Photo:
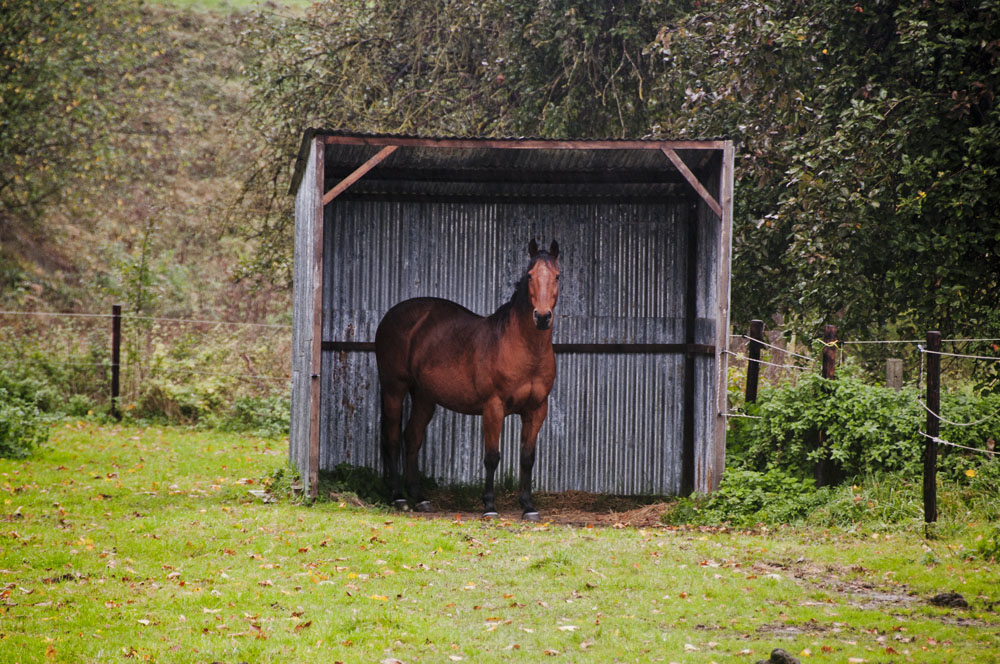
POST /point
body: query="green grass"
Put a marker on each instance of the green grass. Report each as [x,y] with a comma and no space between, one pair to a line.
[144,543]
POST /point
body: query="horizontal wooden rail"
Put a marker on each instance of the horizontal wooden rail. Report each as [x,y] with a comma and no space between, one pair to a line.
[587,349]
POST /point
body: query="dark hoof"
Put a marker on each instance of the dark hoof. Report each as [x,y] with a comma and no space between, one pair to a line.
[531,516]
[401,505]
[423,506]
[490,515]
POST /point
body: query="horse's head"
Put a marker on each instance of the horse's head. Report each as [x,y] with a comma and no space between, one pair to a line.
[543,283]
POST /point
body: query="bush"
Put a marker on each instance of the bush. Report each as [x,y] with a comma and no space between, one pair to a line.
[866,429]
[748,497]
[265,416]
[21,426]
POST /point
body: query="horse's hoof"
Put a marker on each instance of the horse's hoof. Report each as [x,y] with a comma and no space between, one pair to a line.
[423,506]
[401,505]
[530,516]
[490,515]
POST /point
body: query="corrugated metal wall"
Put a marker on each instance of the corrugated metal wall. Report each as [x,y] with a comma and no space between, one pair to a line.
[615,422]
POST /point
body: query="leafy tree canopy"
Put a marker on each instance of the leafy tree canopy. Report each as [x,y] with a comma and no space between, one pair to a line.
[868,134]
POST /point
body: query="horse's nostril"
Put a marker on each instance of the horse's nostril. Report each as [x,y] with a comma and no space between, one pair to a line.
[543,321]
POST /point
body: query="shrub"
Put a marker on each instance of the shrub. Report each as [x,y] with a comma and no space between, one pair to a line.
[862,429]
[21,426]
[265,416]
[748,497]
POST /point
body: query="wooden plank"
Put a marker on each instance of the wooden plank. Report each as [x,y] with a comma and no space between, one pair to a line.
[520,144]
[315,392]
[358,173]
[693,181]
[722,289]
[591,349]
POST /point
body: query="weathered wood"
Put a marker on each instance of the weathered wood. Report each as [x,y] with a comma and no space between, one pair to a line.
[359,173]
[521,144]
[693,180]
[830,351]
[116,351]
[567,348]
[724,253]
[753,359]
[933,425]
[894,374]
[317,324]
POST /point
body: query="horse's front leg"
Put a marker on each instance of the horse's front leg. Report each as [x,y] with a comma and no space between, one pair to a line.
[493,415]
[531,422]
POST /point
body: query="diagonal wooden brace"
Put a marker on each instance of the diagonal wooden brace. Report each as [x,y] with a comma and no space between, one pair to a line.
[358,173]
[693,180]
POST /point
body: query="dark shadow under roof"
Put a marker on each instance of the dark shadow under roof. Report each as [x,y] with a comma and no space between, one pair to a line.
[509,168]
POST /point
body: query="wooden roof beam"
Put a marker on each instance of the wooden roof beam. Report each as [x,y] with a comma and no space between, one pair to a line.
[358,173]
[693,180]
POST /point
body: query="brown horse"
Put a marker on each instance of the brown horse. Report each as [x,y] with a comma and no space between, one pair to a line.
[443,354]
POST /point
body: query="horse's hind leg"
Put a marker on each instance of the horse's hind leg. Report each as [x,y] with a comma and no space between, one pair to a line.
[392,413]
[416,431]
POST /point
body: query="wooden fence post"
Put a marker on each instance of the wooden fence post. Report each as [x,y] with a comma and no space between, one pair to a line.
[830,351]
[824,470]
[116,348]
[894,374]
[753,355]
[933,425]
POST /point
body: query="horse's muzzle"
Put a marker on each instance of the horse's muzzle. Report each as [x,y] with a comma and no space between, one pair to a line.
[543,321]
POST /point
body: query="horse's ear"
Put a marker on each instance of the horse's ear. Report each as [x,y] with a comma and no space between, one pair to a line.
[532,248]
[554,249]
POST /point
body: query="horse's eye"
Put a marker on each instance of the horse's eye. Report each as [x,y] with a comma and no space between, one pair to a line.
[558,277]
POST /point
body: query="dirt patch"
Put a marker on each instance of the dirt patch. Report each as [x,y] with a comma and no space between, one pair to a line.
[571,508]
[853,582]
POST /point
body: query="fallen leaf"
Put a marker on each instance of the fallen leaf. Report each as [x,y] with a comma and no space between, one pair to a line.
[301,626]
[568,628]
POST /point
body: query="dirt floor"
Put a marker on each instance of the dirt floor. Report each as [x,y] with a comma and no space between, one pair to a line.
[573,508]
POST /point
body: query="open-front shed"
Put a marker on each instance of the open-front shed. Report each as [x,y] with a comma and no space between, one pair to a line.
[641,330]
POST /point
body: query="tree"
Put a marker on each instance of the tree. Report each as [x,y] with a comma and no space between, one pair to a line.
[62,69]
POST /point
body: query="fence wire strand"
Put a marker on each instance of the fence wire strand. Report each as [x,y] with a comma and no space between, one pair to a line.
[740,356]
[957,424]
[942,441]
[968,357]
[778,348]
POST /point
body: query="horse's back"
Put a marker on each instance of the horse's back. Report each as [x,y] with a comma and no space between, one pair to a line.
[416,321]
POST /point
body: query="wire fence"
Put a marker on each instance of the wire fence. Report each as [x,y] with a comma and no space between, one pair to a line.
[157,352]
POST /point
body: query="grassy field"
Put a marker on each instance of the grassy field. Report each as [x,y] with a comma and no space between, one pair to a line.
[145,544]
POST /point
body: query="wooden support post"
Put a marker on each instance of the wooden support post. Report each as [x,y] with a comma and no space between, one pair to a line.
[933,425]
[830,351]
[753,357]
[116,351]
[894,373]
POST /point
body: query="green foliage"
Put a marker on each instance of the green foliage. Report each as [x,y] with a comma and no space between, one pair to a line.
[989,547]
[866,429]
[266,416]
[866,134]
[746,498]
[22,428]
[65,75]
